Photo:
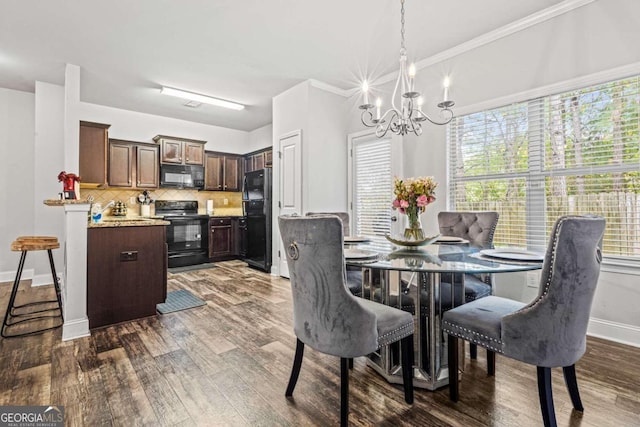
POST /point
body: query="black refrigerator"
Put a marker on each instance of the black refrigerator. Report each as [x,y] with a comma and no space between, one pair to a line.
[256,204]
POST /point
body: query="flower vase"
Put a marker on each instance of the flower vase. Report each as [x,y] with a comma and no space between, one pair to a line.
[413,227]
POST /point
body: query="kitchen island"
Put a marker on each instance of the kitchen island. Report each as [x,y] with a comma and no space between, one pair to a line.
[126,269]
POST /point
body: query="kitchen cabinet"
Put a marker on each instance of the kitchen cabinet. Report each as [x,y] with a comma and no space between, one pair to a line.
[223,172]
[133,164]
[181,151]
[268,158]
[258,160]
[220,238]
[94,138]
[239,225]
[126,273]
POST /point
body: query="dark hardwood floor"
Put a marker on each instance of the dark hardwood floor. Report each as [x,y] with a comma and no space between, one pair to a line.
[228,363]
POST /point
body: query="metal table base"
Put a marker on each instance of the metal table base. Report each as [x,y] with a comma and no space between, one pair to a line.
[430,367]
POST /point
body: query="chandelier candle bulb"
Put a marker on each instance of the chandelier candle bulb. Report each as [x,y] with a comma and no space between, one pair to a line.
[412,75]
[365,90]
[378,105]
[446,88]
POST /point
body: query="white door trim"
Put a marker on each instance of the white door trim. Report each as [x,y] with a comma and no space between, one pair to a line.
[284,208]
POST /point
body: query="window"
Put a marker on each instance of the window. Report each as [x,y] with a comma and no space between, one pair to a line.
[576,152]
[371,170]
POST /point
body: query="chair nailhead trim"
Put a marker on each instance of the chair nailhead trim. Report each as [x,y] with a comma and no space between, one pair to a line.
[551,264]
[398,332]
[471,338]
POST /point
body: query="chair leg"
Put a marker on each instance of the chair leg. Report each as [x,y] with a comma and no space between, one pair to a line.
[572,385]
[491,363]
[407,367]
[546,397]
[56,284]
[14,292]
[295,370]
[344,392]
[452,351]
[473,351]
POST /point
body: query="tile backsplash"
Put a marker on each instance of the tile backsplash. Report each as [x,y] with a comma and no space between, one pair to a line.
[129,197]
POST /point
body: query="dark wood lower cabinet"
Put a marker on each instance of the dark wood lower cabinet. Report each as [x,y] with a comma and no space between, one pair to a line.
[220,238]
[126,273]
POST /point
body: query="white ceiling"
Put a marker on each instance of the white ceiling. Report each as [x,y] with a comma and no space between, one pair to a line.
[243,50]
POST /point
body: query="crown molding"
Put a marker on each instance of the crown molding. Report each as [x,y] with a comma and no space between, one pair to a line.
[330,88]
[559,87]
[504,31]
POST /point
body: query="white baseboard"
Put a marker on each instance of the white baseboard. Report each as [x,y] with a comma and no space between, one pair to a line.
[613,331]
[28,274]
[10,276]
[75,329]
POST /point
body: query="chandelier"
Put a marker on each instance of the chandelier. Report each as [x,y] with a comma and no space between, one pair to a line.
[409,117]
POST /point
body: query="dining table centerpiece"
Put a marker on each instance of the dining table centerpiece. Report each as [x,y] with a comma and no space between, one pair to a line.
[412,196]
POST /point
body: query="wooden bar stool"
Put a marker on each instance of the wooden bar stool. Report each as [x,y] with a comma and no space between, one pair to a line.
[19,314]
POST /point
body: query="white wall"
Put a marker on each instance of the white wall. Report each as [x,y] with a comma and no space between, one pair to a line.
[592,39]
[260,138]
[17,118]
[322,117]
[135,126]
[48,162]
[324,162]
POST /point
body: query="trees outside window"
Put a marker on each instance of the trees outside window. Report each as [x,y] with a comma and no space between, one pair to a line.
[576,152]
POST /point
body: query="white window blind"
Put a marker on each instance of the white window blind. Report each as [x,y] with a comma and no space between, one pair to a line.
[372,188]
[576,152]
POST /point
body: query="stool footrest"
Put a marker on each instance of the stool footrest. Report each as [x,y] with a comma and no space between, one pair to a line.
[14,312]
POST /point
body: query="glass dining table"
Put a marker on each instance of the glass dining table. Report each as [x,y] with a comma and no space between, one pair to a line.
[418,280]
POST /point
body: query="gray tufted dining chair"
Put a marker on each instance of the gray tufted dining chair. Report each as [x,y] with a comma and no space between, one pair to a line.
[548,332]
[326,316]
[478,228]
[354,274]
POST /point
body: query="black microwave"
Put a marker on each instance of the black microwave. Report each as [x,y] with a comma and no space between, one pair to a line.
[182,176]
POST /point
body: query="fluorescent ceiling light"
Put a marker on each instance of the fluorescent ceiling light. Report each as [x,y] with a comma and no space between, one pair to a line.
[201,98]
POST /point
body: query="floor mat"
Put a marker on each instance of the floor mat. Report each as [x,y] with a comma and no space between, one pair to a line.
[179,300]
[191,267]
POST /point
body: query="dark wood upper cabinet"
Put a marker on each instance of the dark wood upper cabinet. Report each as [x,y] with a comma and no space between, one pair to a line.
[223,172]
[258,160]
[147,173]
[93,154]
[133,164]
[181,151]
[194,153]
[232,173]
[213,171]
[120,161]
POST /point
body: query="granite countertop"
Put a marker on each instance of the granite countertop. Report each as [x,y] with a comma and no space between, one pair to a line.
[62,202]
[127,221]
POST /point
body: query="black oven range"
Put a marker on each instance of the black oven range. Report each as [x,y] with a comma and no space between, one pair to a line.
[187,234]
